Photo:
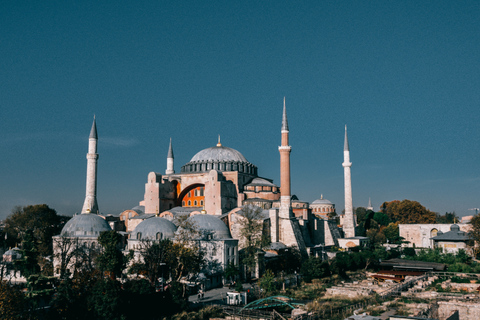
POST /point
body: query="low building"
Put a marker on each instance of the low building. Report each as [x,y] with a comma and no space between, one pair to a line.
[453,240]
[420,235]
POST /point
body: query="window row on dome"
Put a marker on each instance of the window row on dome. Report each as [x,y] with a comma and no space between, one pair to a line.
[323,209]
[222,166]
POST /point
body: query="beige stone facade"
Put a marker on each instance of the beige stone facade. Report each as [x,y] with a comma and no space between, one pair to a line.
[419,235]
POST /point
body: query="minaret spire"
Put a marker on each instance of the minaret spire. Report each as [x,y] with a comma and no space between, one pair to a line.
[349,220]
[219,144]
[90,205]
[170,168]
[284,117]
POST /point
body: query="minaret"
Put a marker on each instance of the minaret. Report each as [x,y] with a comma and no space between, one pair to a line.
[285,149]
[170,169]
[90,205]
[349,220]
[369,204]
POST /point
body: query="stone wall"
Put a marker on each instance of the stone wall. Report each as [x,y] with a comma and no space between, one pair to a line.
[466,310]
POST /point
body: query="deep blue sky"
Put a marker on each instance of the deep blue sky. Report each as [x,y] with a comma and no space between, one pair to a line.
[404,76]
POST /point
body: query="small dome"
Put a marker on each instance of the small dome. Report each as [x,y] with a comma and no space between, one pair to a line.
[261,182]
[209,223]
[454,227]
[85,225]
[155,228]
[321,201]
[218,153]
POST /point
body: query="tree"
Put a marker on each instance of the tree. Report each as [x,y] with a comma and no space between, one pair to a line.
[267,283]
[408,212]
[28,264]
[111,260]
[448,217]
[252,235]
[65,250]
[41,220]
[381,218]
[314,268]
[288,260]
[392,233]
[12,302]
[475,233]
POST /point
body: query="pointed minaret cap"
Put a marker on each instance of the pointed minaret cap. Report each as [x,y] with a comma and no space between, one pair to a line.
[284,117]
[93,131]
[219,144]
[170,150]
[345,146]
[369,202]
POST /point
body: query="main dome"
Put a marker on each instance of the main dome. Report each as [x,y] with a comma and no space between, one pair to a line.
[218,153]
[219,158]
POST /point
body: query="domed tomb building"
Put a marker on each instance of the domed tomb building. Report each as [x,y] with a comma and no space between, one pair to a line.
[217,179]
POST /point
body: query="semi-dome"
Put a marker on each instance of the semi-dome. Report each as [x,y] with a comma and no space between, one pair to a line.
[262,182]
[210,224]
[85,225]
[219,158]
[155,228]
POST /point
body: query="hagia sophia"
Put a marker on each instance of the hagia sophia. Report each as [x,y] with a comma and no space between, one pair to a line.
[212,191]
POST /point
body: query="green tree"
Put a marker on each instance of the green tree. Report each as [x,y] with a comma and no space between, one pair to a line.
[43,221]
[28,264]
[475,234]
[267,283]
[12,302]
[252,235]
[381,218]
[314,268]
[111,260]
[392,233]
[106,300]
[448,217]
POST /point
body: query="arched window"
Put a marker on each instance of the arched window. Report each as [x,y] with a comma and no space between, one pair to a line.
[159,236]
[433,233]
[189,203]
[139,236]
[195,203]
[201,202]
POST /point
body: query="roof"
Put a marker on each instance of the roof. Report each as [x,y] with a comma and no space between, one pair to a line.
[284,117]
[209,223]
[85,225]
[322,201]
[413,264]
[262,182]
[150,227]
[170,150]
[453,235]
[345,145]
[218,153]
[93,131]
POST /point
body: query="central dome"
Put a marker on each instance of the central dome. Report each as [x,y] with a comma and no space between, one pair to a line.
[219,153]
[219,158]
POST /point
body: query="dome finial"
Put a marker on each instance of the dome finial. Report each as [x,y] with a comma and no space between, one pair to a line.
[219,144]
[321,196]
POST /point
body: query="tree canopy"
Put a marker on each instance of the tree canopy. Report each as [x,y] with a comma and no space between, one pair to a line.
[42,220]
[408,212]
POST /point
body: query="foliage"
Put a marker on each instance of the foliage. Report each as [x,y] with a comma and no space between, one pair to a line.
[251,235]
[267,283]
[314,268]
[381,218]
[410,252]
[448,217]
[437,255]
[475,232]
[41,220]
[231,271]
[203,314]
[28,264]
[12,302]
[105,299]
[408,211]
[288,260]
[111,260]
[392,233]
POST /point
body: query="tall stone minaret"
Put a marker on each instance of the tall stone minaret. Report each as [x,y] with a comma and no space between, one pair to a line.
[170,169]
[90,205]
[349,220]
[285,149]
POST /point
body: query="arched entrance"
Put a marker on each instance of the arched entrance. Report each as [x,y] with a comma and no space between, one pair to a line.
[192,196]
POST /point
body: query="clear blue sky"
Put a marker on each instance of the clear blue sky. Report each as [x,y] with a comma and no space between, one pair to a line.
[403,75]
